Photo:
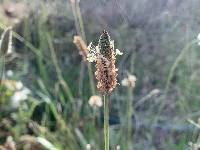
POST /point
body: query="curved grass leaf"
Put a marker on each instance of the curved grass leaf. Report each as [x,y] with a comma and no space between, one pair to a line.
[5,47]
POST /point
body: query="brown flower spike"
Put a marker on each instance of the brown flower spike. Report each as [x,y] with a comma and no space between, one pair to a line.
[81,45]
[106,72]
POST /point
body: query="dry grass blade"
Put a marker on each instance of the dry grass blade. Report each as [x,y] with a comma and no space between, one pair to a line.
[5,47]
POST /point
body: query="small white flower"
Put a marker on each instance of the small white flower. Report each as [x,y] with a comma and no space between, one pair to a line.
[112,44]
[90,46]
[97,50]
[95,100]
[88,147]
[91,57]
[19,85]
[9,73]
[19,96]
[118,52]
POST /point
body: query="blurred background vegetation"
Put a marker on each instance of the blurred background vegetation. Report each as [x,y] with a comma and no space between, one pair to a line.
[47,84]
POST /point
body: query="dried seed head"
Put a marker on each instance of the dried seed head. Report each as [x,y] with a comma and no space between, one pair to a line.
[155,92]
[129,81]
[95,100]
[106,72]
[81,45]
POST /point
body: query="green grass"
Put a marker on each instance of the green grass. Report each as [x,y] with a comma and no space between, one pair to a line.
[57,109]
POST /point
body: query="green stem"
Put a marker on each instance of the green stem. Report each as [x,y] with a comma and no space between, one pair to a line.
[171,74]
[2,67]
[80,29]
[129,115]
[92,86]
[175,64]
[106,122]
[64,84]
[80,21]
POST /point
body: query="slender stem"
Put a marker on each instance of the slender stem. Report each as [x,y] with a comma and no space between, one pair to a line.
[92,86]
[171,74]
[175,64]
[2,67]
[80,29]
[106,122]
[80,20]
[129,115]
[63,83]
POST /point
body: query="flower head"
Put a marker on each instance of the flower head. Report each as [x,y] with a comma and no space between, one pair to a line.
[95,100]
[81,45]
[20,96]
[9,73]
[104,55]
[20,92]
[129,81]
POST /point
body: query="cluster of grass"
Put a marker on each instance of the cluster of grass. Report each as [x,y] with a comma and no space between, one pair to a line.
[152,116]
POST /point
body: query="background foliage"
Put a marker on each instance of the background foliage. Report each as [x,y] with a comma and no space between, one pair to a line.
[157,39]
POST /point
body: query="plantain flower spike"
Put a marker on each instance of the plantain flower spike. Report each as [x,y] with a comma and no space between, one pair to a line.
[81,45]
[104,55]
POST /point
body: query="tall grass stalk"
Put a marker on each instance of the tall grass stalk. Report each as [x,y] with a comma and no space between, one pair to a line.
[176,62]
[80,29]
[5,47]
[58,70]
[129,115]
[106,75]
[171,74]
[42,46]
[80,20]
[130,108]
[106,121]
